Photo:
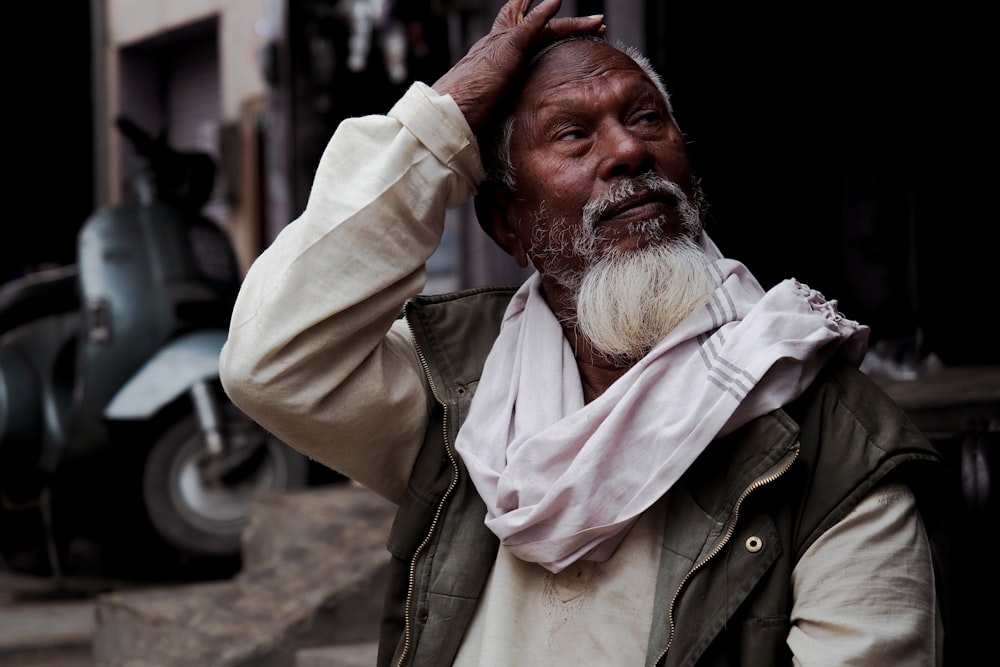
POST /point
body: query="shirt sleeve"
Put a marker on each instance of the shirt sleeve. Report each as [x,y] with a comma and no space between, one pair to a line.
[864,592]
[316,353]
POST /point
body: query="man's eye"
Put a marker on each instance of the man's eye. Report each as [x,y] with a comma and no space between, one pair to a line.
[571,134]
[649,116]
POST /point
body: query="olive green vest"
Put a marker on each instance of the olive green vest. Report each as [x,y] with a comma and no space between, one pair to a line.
[749,507]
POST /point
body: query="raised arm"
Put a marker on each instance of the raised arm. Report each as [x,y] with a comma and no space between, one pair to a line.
[315,351]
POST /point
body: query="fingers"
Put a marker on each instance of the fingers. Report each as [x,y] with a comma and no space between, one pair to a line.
[540,23]
[564,27]
[518,14]
[536,18]
[512,14]
[526,27]
[522,11]
[479,80]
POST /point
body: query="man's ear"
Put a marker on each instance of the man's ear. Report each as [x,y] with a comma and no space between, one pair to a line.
[493,209]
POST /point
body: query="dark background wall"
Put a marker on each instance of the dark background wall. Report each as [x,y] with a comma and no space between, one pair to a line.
[48,119]
[852,148]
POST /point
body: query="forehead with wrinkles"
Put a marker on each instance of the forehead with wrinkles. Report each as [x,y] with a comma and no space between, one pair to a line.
[576,77]
[572,61]
[569,60]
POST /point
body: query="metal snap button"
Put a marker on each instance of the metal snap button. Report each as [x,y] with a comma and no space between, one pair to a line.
[754,544]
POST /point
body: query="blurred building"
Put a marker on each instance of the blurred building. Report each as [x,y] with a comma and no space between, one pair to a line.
[262,84]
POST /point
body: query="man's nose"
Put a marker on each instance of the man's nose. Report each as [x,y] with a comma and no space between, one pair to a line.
[624,153]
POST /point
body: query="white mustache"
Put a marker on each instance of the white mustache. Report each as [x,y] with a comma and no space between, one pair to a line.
[594,209]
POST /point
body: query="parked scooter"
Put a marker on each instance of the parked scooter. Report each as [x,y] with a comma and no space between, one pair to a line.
[112,419]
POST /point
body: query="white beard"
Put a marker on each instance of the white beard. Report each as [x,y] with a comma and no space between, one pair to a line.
[628,302]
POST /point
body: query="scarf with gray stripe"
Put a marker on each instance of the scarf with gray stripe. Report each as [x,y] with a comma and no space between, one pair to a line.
[563,479]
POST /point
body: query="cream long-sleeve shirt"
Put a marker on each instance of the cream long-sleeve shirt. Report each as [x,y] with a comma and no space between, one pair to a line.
[315,352]
[317,355]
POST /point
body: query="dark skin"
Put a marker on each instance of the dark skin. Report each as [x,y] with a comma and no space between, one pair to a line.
[586,118]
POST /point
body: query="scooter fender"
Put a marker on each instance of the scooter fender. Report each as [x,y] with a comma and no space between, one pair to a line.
[168,374]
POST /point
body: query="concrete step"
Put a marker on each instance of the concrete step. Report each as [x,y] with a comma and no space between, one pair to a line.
[59,624]
[312,578]
[346,655]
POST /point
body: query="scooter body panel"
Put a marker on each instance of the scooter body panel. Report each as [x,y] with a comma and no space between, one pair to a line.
[144,281]
[169,373]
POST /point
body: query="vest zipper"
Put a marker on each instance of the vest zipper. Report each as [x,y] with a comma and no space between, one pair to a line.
[437,514]
[726,536]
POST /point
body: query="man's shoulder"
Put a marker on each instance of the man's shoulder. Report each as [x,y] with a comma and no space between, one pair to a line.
[455,331]
[458,312]
[470,296]
[853,435]
[844,399]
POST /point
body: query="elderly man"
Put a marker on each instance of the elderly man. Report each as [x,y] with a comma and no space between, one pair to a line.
[637,457]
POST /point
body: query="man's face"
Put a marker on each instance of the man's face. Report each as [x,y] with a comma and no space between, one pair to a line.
[587,121]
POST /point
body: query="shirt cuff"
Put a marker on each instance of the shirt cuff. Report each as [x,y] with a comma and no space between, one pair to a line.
[437,122]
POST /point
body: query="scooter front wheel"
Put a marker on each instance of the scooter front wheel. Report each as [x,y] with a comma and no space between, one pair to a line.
[199,504]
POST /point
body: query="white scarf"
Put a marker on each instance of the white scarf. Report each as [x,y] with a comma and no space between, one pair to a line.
[564,480]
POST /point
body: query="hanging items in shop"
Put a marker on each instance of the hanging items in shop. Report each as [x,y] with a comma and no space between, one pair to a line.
[375,19]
